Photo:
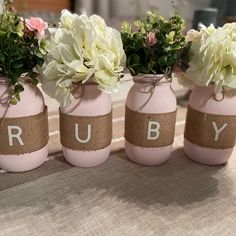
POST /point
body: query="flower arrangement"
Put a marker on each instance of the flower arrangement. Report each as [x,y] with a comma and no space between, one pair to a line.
[155,47]
[21,50]
[210,58]
[82,49]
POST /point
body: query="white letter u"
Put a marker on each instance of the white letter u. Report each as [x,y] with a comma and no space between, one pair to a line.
[86,140]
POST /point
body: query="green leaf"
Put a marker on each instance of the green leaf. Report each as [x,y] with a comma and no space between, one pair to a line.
[164,54]
[134,59]
[171,35]
[13,101]
[138,24]
[20,29]
[2,58]
[19,52]
[33,75]
[144,69]
[162,60]
[17,96]
[34,80]
[17,64]
[18,88]
[126,27]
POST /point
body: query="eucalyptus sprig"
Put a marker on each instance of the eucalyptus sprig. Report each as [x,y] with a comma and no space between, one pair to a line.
[21,51]
[155,46]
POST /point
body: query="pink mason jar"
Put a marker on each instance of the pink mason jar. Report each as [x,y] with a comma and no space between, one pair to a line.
[210,129]
[25,128]
[150,120]
[86,128]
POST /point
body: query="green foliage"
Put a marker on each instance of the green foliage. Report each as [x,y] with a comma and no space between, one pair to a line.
[163,54]
[20,53]
[185,57]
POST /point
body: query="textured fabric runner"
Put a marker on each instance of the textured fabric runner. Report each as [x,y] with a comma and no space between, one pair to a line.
[119,197]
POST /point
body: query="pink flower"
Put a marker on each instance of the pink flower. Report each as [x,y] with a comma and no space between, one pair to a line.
[151,39]
[37,25]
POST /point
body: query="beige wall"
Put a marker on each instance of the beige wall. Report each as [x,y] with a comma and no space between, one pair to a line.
[133,8]
[1,6]
[123,8]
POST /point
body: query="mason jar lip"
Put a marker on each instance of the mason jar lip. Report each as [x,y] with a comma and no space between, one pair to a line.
[19,78]
[165,80]
[86,83]
[150,74]
[4,81]
[22,80]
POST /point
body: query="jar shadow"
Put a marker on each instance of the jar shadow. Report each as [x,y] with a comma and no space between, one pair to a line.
[179,182]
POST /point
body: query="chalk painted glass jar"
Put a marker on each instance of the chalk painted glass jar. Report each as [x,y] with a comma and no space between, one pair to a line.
[210,129]
[89,114]
[31,104]
[158,104]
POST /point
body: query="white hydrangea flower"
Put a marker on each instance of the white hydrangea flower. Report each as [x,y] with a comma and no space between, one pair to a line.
[193,35]
[83,48]
[213,57]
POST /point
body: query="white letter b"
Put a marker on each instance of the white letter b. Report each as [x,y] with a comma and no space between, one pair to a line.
[153,128]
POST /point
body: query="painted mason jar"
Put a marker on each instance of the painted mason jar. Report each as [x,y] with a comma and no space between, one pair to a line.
[23,129]
[150,120]
[210,130]
[86,128]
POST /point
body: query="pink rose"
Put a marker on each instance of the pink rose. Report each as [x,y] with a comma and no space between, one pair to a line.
[151,39]
[37,25]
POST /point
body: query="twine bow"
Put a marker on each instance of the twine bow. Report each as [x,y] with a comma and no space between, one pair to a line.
[77,89]
[151,83]
[5,98]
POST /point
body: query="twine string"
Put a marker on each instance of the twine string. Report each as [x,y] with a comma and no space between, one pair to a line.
[216,99]
[223,96]
[151,83]
[5,98]
[77,89]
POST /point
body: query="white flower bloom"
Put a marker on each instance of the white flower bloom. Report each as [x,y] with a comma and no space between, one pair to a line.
[82,49]
[67,19]
[192,35]
[213,57]
[99,25]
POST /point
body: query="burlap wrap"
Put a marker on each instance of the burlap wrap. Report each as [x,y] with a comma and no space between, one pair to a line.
[34,134]
[136,128]
[199,129]
[101,131]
